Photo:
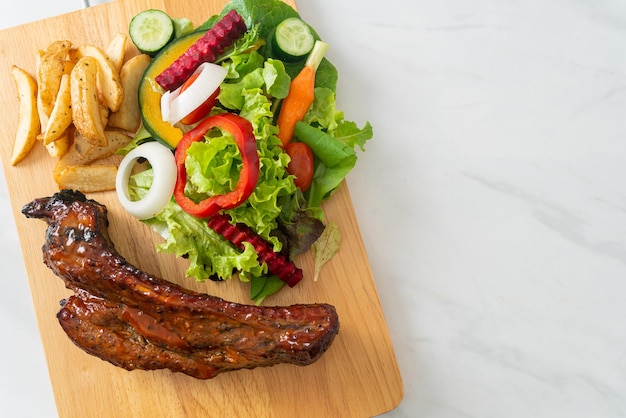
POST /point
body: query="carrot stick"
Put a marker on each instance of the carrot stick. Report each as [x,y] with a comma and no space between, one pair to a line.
[301,94]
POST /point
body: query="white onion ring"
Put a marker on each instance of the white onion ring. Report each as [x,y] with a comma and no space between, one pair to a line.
[163,165]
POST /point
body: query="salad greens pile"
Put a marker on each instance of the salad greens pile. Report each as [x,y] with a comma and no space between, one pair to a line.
[277,210]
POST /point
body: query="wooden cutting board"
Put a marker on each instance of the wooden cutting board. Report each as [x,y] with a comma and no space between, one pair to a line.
[357,377]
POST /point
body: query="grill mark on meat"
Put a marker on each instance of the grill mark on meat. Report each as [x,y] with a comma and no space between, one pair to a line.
[135,320]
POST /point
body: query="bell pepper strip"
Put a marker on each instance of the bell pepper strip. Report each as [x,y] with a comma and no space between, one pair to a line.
[241,130]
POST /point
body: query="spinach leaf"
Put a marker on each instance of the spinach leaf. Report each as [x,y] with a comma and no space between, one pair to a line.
[267,14]
[260,287]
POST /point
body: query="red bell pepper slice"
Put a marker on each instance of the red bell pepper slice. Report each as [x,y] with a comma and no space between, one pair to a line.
[241,130]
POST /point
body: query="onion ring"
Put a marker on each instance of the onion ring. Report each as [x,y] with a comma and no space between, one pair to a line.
[160,193]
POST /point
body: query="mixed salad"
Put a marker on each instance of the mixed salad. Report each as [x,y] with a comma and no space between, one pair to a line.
[258,142]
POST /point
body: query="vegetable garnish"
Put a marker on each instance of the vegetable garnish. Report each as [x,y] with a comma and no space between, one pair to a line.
[301,165]
[301,94]
[177,104]
[201,111]
[241,131]
[325,247]
[205,49]
[151,30]
[164,171]
[273,203]
[277,263]
[292,39]
[150,93]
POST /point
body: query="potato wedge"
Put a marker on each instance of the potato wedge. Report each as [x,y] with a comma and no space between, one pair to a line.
[81,145]
[27,117]
[86,112]
[128,116]
[116,50]
[87,178]
[72,57]
[109,86]
[115,140]
[61,116]
[82,152]
[104,114]
[69,64]
[51,66]
[43,117]
[59,147]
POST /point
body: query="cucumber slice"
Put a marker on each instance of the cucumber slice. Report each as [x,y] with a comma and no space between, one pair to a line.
[151,30]
[182,26]
[293,39]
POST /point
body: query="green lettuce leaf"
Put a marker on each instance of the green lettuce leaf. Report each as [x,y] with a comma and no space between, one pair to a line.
[209,254]
[325,248]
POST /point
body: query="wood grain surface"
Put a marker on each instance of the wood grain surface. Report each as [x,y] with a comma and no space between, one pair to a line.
[357,377]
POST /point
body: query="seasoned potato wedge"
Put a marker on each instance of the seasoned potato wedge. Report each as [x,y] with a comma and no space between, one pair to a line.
[74,104]
[86,112]
[61,117]
[59,147]
[115,140]
[116,50]
[82,152]
[104,114]
[109,86]
[27,117]
[128,116]
[82,146]
[51,67]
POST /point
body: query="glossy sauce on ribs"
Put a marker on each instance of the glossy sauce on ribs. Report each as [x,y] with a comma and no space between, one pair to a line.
[138,321]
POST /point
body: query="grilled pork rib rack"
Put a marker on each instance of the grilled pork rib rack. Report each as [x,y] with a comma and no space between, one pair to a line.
[137,321]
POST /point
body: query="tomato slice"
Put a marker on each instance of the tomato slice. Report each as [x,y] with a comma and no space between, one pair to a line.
[201,111]
[301,165]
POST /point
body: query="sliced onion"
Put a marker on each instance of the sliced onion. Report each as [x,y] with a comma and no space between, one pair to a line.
[163,165]
[176,105]
[166,98]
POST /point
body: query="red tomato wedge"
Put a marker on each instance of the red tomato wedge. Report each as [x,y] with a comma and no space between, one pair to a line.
[201,111]
[301,165]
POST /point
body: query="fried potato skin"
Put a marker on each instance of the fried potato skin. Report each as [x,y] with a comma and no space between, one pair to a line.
[128,116]
[86,112]
[109,85]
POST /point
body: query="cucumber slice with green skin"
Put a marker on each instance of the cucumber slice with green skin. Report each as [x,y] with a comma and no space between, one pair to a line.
[292,40]
[151,30]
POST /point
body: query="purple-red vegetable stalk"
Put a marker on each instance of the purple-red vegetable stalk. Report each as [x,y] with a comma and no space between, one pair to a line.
[277,263]
[206,49]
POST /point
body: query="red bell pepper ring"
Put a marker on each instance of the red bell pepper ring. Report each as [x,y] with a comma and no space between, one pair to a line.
[241,130]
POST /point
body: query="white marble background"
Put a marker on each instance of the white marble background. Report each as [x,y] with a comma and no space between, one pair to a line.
[492,202]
